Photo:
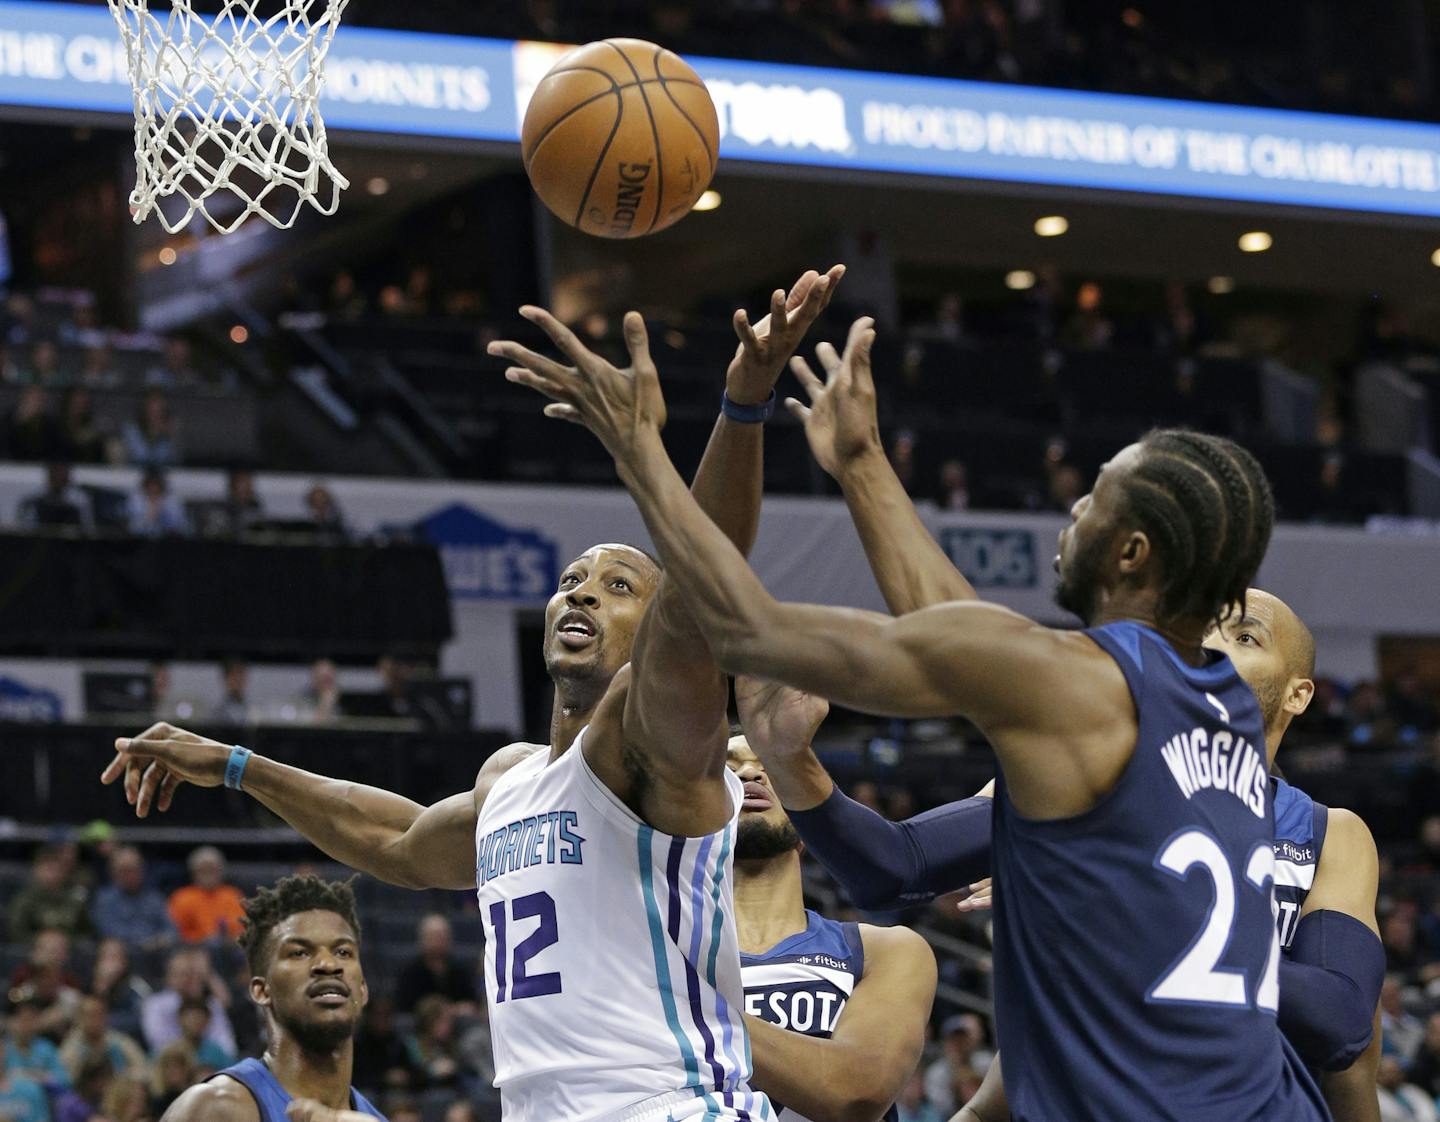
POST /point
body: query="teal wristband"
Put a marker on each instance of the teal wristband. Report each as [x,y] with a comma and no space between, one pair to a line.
[235,766]
[748,414]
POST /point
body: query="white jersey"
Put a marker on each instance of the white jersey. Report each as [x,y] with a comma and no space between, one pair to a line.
[612,963]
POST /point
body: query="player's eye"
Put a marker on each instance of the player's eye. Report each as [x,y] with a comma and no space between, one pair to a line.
[569,579]
[1245,637]
[622,584]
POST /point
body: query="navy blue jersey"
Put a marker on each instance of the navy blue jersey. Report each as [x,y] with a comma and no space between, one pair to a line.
[1300,824]
[272,1099]
[1136,953]
[803,982]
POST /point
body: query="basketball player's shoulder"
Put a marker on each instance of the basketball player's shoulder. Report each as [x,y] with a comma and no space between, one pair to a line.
[1349,845]
[500,763]
[222,1099]
[894,948]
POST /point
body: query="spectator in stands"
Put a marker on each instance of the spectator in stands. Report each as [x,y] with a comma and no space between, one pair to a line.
[97,368]
[420,291]
[403,1110]
[44,979]
[47,902]
[961,1037]
[1331,499]
[174,1072]
[123,993]
[207,908]
[345,300]
[82,1102]
[1178,329]
[92,1038]
[1401,1031]
[27,1052]
[948,326]
[127,1100]
[324,511]
[152,440]
[176,372]
[188,976]
[868,795]
[21,1099]
[1424,1070]
[80,435]
[31,431]
[128,909]
[153,512]
[1401,1101]
[461,1111]
[209,1053]
[903,459]
[434,1057]
[1088,328]
[913,1106]
[233,707]
[1066,487]
[242,505]
[435,970]
[320,701]
[44,366]
[954,486]
[381,1061]
[60,504]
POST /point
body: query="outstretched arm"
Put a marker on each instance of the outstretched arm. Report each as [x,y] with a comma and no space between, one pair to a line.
[1027,687]
[373,830]
[857,1073]
[989,1103]
[842,425]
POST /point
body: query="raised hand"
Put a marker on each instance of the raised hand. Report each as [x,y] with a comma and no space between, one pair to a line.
[841,421]
[981,897]
[618,406]
[156,762]
[779,722]
[764,348]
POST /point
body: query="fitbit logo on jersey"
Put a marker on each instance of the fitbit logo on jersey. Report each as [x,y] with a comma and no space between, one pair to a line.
[1201,760]
[484,559]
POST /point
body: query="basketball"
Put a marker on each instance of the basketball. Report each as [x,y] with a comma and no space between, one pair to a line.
[620,138]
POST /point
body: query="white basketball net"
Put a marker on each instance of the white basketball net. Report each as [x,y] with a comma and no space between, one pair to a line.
[227,117]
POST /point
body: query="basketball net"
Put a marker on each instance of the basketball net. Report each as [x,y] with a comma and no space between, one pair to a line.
[227,116]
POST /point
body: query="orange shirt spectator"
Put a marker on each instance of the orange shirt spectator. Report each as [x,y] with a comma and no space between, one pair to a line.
[208,907]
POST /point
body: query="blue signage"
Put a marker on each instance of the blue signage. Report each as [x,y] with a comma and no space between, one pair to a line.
[69,57]
[488,561]
[19,702]
[992,558]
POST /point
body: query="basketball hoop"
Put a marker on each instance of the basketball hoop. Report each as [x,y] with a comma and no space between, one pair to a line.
[227,116]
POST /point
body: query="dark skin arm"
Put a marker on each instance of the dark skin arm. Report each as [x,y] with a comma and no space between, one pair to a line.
[669,717]
[1053,704]
[859,1071]
[220,1100]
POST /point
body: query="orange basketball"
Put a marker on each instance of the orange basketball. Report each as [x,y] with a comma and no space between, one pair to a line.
[620,138]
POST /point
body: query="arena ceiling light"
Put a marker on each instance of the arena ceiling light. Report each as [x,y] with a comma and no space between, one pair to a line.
[239,334]
[1018,280]
[377,185]
[167,256]
[1256,241]
[1051,226]
[1220,286]
[709,200]
[1435,259]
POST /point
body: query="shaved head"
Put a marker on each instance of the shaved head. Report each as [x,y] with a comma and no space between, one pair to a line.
[1296,644]
[1274,652]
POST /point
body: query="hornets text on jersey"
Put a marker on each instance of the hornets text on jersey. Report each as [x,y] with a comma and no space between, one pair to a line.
[612,964]
[1136,950]
[803,982]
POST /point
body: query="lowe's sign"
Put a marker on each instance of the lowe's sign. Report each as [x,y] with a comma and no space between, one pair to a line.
[486,560]
[67,56]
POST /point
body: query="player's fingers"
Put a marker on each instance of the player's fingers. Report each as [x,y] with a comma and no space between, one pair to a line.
[857,333]
[813,386]
[797,410]
[524,356]
[563,411]
[167,792]
[134,770]
[568,342]
[550,388]
[829,359]
[815,301]
[802,290]
[114,769]
[149,784]
[779,315]
[744,331]
[833,275]
[637,339]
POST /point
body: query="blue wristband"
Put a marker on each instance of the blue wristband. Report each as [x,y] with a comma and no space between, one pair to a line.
[235,766]
[748,414]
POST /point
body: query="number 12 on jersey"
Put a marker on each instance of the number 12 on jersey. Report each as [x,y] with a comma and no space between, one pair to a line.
[520,984]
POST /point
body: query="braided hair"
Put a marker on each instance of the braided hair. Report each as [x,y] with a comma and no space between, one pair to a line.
[270,907]
[1207,508]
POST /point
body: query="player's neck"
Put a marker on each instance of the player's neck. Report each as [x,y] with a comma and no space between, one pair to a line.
[324,1077]
[769,901]
[1186,635]
[575,704]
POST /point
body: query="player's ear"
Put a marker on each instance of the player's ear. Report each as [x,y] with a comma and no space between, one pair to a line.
[260,992]
[1134,552]
[1298,693]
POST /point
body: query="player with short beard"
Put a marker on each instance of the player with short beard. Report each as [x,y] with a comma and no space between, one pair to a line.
[302,943]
